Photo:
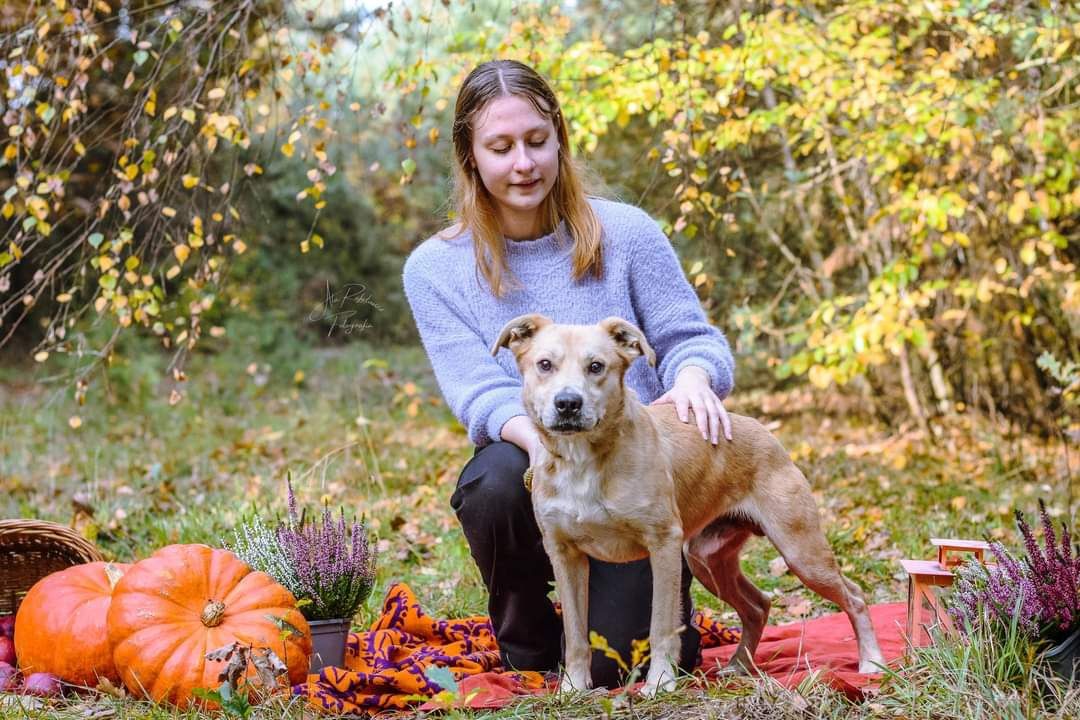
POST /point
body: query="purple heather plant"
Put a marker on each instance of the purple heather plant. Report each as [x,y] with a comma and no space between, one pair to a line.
[1039,590]
[333,562]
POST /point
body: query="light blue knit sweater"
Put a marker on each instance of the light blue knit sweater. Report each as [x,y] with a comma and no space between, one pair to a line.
[459,318]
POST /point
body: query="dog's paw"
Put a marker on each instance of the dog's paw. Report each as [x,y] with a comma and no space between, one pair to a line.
[736,666]
[575,683]
[871,667]
[730,670]
[662,680]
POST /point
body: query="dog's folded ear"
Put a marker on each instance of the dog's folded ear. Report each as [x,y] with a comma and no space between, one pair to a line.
[518,332]
[629,338]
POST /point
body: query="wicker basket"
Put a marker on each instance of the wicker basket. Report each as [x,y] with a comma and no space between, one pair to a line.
[30,550]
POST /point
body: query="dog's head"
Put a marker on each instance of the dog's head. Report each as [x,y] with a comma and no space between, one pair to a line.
[572,374]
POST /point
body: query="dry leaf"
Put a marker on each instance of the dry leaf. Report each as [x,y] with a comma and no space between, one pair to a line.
[778,567]
[800,608]
[268,666]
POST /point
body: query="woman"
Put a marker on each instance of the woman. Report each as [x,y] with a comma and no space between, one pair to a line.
[528,239]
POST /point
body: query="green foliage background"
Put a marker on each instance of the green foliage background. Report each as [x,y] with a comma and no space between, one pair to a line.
[880,197]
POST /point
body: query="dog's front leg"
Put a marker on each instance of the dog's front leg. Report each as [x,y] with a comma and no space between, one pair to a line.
[665,558]
[571,569]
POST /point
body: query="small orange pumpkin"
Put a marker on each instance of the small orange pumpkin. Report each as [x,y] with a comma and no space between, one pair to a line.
[60,626]
[183,601]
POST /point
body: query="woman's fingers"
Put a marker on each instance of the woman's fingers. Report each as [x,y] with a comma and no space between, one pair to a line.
[725,421]
[715,410]
[682,404]
[709,412]
[701,414]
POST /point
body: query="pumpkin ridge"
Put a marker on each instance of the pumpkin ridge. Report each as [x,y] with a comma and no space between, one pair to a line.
[199,586]
[150,649]
[156,629]
[182,669]
[186,590]
[251,594]
[264,613]
[136,598]
[72,626]
[242,590]
[225,574]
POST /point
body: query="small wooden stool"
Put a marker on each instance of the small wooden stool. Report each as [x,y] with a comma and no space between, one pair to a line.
[926,577]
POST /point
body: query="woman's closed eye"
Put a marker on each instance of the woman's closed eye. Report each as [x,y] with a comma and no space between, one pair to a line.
[504,150]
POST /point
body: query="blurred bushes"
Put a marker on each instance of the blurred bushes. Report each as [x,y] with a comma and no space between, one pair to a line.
[869,196]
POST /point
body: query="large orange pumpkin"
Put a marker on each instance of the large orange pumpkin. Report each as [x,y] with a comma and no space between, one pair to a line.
[60,626]
[183,601]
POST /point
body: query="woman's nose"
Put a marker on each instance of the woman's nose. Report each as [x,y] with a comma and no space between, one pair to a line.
[523,161]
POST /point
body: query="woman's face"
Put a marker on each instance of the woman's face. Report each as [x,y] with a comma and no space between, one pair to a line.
[516,152]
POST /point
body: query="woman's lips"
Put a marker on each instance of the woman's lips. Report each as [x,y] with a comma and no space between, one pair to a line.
[527,185]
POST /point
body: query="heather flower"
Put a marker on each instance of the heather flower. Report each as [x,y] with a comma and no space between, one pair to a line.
[259,547]
[1039,590]
[332,560]
[327,565]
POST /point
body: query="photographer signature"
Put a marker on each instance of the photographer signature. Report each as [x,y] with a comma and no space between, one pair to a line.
[340,308]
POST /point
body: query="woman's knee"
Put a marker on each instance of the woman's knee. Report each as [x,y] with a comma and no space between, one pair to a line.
[492,481]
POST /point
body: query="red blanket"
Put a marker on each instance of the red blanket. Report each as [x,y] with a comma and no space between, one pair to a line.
[826,644]
[386,666]
[788,653]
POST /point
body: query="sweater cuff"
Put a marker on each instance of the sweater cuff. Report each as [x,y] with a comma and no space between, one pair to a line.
[500,415]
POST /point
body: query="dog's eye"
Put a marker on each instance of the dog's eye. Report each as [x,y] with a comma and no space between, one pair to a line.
[544,364]
[596,368]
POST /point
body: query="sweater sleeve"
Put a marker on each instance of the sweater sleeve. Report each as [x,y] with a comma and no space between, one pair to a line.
[671,315]
[478,391]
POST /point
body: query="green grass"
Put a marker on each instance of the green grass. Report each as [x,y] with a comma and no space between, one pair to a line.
[365,428]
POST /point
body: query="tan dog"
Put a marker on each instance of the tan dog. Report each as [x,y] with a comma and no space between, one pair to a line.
[619,481]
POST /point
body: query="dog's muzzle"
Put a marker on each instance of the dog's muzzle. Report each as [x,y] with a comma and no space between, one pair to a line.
[568,412]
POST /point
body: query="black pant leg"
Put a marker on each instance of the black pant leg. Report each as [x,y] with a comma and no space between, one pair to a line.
[496,515]
[620,606]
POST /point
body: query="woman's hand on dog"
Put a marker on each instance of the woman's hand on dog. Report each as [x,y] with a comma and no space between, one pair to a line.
[521,431]
[692,390]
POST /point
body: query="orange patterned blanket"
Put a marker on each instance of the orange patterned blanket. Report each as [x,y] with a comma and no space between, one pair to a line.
[386,666]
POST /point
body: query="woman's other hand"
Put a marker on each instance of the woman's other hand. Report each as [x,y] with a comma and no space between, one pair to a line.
[692,390]
[521,431]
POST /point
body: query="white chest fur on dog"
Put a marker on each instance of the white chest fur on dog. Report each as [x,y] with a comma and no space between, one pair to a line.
[577,504]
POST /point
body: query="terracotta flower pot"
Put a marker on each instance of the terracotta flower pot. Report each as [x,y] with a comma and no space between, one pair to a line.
[328,639]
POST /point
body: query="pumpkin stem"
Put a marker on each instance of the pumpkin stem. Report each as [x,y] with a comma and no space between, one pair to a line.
[113,574]
[213,613]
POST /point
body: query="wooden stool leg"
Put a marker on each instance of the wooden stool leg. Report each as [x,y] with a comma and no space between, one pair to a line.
[909,629]
[922,596]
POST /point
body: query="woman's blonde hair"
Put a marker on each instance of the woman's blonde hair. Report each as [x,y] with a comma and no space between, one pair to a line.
[567,198]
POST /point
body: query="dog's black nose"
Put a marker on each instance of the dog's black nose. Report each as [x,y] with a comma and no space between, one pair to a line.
[568,403]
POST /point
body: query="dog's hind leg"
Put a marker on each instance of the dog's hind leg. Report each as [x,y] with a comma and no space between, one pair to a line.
[713,556]
[793,526]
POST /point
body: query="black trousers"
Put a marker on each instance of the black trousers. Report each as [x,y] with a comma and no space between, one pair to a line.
[497,518]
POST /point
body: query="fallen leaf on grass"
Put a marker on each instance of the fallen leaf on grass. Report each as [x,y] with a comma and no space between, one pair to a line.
[22,703]
[800,609]
[98,711]
[875,542]
[105,686]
